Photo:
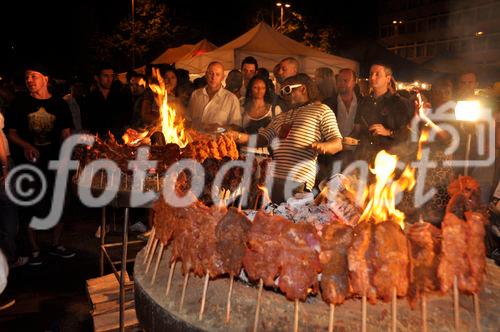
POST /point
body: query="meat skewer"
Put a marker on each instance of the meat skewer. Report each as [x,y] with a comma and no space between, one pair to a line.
[231,233]
[149,244]
[151,255]
[158,259]
[257,309]
[184,285]
[170,276]
[228,307]
[425,253]
[204,297]
[335,240]
[394,310]
[296,316]
[463,263]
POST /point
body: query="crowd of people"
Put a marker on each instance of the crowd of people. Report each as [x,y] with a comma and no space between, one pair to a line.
[318,121]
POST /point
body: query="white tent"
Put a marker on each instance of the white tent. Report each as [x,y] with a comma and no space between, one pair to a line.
[268,47]
[186,51]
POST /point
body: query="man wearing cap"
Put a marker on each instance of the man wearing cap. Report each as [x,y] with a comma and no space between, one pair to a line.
[36,124]
[309,128]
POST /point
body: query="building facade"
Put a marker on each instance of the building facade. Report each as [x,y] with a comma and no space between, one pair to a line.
[419,30]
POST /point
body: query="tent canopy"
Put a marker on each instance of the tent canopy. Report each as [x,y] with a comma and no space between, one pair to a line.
[268,47]
[186,51]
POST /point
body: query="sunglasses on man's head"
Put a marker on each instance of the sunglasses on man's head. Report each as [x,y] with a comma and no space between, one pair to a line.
[286,90]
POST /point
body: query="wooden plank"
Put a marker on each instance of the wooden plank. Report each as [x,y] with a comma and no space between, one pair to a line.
[110,321]
[109,297]
[107,307]
[104,282]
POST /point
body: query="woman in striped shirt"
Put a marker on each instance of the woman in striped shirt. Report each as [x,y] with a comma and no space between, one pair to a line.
[297,137]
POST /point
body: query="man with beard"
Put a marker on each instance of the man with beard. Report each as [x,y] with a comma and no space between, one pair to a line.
[36,125]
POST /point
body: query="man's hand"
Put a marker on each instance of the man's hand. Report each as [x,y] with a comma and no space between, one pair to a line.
[31,153]
[320,147]
[379,130]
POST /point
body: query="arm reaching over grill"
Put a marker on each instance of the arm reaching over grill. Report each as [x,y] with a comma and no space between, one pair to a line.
[425,249]
[299,260]
[335,242]
[232,233]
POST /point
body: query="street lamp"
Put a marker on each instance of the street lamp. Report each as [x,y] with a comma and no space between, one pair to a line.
[281,5]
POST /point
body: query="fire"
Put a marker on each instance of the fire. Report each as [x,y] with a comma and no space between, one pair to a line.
[172,130]
[382,194]
[266,199]
[133,137]
[424,138]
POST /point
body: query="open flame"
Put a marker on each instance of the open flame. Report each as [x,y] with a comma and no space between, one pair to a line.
[381,206]
[266,199]
[132,137]
[172,127]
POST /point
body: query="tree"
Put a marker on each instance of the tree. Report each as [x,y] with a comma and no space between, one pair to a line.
[154,28]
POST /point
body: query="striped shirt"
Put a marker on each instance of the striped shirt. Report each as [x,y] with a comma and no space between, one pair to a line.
[293,156]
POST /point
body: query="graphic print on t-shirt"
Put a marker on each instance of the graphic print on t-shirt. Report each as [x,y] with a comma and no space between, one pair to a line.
[41,124]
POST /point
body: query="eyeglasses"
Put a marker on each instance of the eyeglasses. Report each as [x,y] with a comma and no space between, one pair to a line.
[286,90]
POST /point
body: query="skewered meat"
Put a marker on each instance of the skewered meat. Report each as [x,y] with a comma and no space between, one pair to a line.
[232,232]
[454,252]
[425,248]
[211,260]
[476,251]
[299,260]
[164,220]
[262,256]
[378,261]
[335,241]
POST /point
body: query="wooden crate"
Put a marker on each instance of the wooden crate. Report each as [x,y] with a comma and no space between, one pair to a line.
[104,295]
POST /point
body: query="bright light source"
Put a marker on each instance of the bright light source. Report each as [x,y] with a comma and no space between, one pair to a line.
[479,33]
[416,83]
[394,22]
[401,86]
[467,110]
[279,4]
[424,86]
[287,5]
[400,22]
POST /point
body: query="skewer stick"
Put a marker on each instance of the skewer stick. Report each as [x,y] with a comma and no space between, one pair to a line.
[394,310]
[157,182]
[228,307]
[204,297]
[148,245]
[241,199]
[150,258]
[259,194]
[456,303]
[477,311]
[184,290]
[257,310]
[331,324]
[363,313]
[296,317]
[170,276]
[424,313]
[158,259]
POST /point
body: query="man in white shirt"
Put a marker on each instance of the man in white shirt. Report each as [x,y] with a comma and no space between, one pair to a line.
[347,102]
[214,106]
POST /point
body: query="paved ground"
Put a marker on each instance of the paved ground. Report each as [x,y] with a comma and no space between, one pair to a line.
[52,297]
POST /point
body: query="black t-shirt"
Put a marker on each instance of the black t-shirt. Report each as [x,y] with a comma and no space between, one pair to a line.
[39,122]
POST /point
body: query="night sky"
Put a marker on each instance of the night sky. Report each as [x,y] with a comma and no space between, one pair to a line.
[58,32]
